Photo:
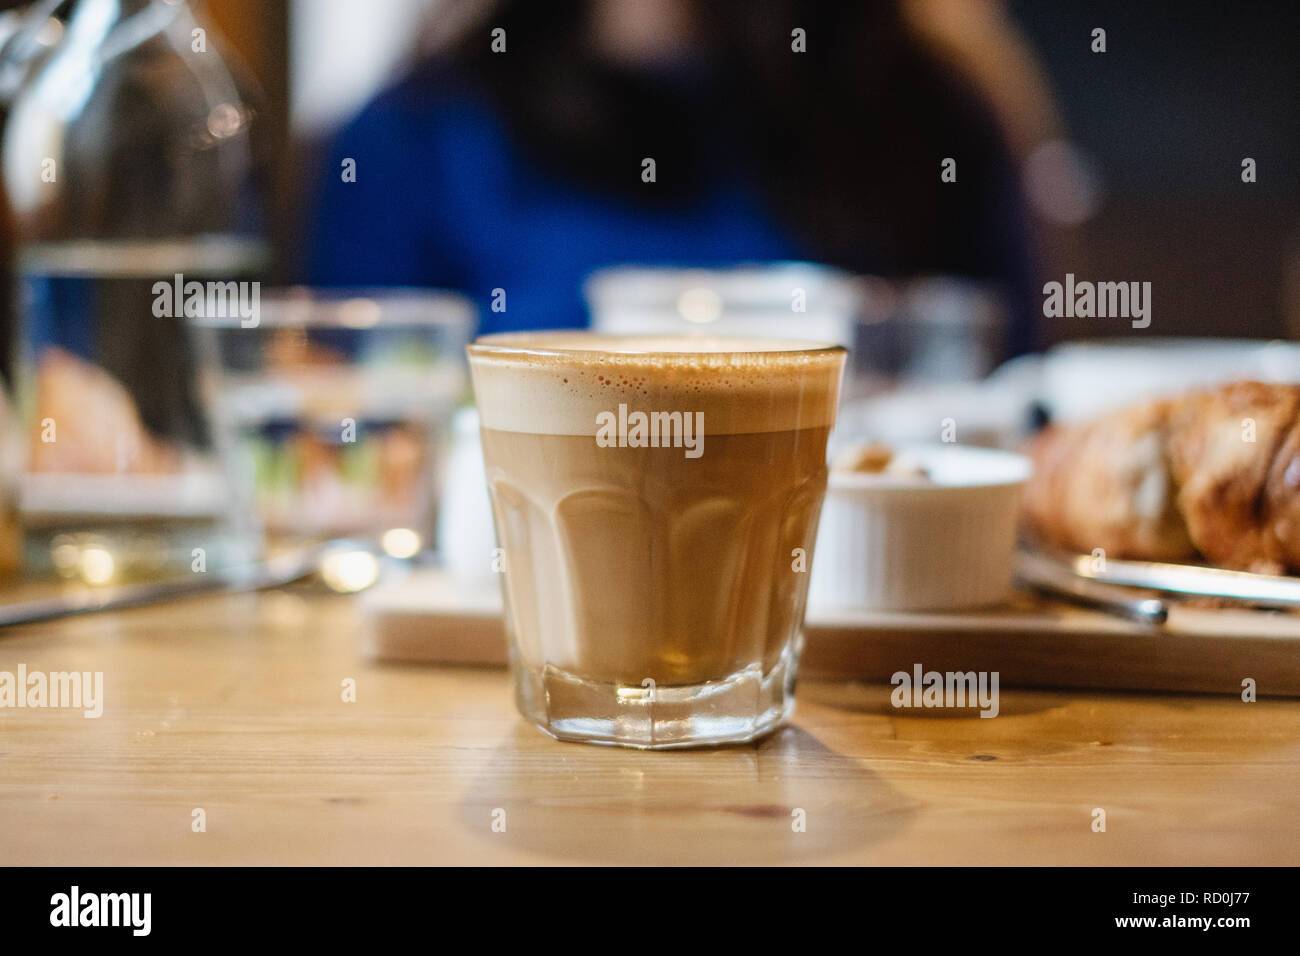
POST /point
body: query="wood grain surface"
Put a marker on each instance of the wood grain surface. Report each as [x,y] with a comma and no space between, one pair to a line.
[234,705]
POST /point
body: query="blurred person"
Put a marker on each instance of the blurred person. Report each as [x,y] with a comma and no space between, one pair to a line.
[522,170]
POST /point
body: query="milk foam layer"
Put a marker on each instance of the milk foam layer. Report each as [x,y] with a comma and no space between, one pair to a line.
[557,383]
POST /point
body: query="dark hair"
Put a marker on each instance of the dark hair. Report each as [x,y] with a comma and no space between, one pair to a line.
[844,141]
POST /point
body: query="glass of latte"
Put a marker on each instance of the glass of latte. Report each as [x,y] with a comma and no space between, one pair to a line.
[656,503]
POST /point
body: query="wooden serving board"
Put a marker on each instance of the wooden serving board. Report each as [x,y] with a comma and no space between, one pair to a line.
[1031,642]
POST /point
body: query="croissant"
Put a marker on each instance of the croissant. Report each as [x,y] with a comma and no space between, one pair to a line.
[1212,475]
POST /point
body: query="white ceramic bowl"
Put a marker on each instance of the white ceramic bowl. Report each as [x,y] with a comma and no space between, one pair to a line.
[903,543]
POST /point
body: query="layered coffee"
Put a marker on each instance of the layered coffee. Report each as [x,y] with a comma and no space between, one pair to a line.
[656,501]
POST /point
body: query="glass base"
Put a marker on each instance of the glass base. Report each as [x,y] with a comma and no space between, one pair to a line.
[736,709]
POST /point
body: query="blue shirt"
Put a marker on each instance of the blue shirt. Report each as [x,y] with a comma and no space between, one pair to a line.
[444,197]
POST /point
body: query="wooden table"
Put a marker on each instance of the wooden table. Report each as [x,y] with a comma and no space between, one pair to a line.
[234,705]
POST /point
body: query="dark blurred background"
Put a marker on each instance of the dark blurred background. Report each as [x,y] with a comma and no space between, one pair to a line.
[1185,91]
[1129,161]
[1156,127]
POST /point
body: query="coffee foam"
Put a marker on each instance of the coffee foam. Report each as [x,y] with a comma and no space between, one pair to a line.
[556,383]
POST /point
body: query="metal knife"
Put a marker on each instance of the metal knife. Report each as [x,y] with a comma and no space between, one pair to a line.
[273,572]
[1265,589]
[1043,574]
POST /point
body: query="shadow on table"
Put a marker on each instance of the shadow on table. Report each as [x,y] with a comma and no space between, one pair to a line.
[720,806]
